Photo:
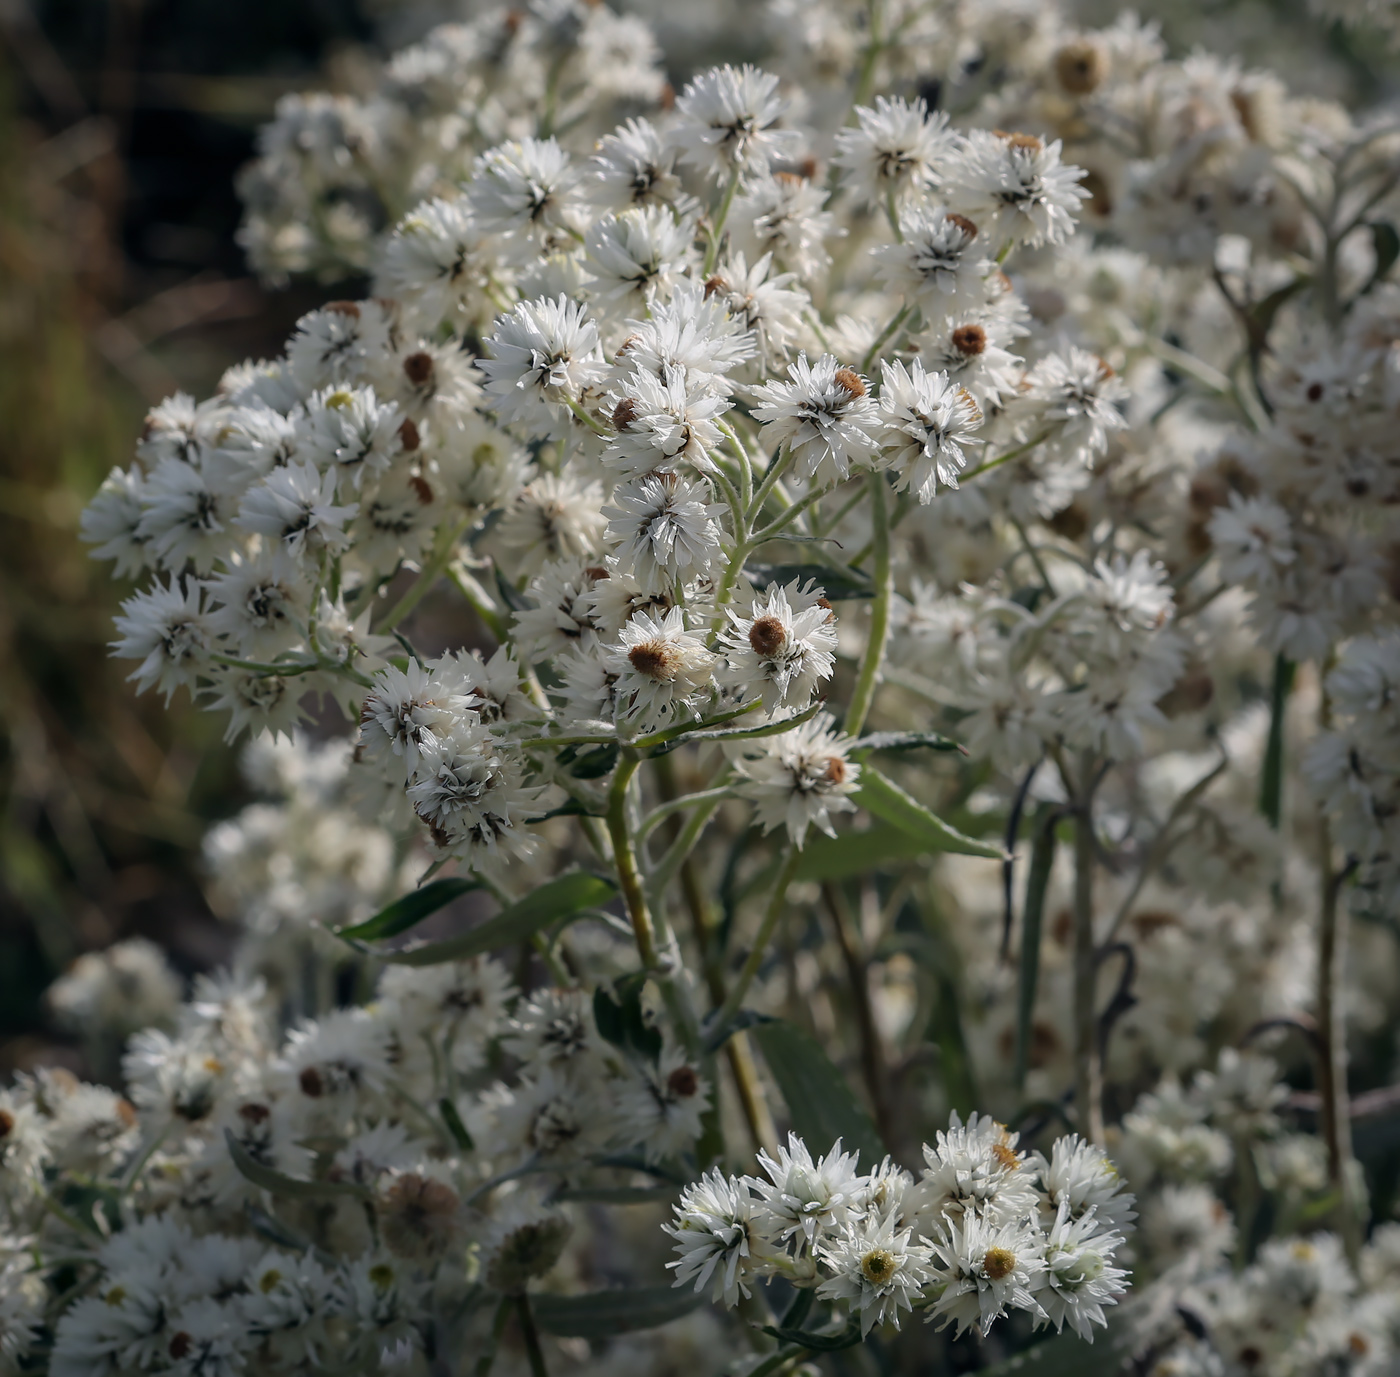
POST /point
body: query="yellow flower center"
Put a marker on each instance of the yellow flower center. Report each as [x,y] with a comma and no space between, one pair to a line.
[999,1263]
[878,1266]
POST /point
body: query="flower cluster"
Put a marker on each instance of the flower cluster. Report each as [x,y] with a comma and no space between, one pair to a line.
[737,519]
[310,1202]
[984,1231]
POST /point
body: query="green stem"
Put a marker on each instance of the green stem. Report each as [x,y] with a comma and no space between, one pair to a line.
[1088,1068]
[533,1352]
[487,1360]
[443,547]
[776,469]
[883,338]
[482,603]
[721,215]
[735,998]
[869,675]
[1271,776]
[582,415]
[1005,458]
[625,859]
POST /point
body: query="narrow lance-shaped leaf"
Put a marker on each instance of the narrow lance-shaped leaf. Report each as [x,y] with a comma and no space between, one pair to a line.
[821,1105]
[885,799]
[785,724]
[557,899]
[1032,922]
[409,911]
[601,1314]
[269,1179]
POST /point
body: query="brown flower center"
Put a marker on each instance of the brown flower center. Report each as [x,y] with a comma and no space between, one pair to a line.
[835,772]
[418,367]
[1080,66]
[849,379]
[968,227]
[311,1083]
[767,636]
[624,413]
[659,660]
[999,1263]
[683,1082]
[969,340]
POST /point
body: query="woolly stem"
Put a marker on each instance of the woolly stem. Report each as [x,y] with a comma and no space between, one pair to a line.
[625,859]
[1088,1066]
[869,675]
[443,547]
[533,1352]
[721,215]
[735,999]
[1332,1039]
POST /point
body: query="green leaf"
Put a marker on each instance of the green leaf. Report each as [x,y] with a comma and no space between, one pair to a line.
[816,1343]
[839,585]
[1271,776]
[557,899]
[1067,1355]
[903,741]
[821,1105]
[886,800]
[601,1314]
[621,1020]
[409,911]
[1032,915]
[785,724]
[855,853]
[280,1184]
[455,1126]
[595,762]
[616,1195]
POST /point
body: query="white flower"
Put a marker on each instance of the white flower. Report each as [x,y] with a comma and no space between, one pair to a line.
[990,1268]
[1079,1278]
[551,518]
[803,1198]
[800,779]
[523,186]
[726,121]
[662,670]
[339,343]
[112,520]
[927,422]
[783,647]
[663,528]
[166,628]
[940,262]
[659,1107]
[782,215]
[634,167]
[717,1237]
[553,1027]
[877,1270]
[1254,539]
[975,1170]
[543,355]
[697,332]
[1079,1177]
[407,711]
[972,352]
[824,417]
[296,505]
[636,255]
[896,149]
[1071,396]
[469,790]
[562,615]
[765,305]
[1017,185]
[436,263]
[185,517]
[663,420]
[353,434]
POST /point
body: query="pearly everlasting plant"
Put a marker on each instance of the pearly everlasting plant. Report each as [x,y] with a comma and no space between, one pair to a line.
[833,587]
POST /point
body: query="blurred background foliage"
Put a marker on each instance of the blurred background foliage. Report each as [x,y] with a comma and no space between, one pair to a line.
[122,125]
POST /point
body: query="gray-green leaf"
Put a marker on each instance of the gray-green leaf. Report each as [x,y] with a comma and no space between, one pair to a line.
[821,1105]
[558,899]
[600,1314]
[885,799]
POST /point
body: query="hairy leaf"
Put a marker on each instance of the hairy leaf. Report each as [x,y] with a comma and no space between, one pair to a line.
[601,1314]
[886,800]
[558,899]
[821,1105]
